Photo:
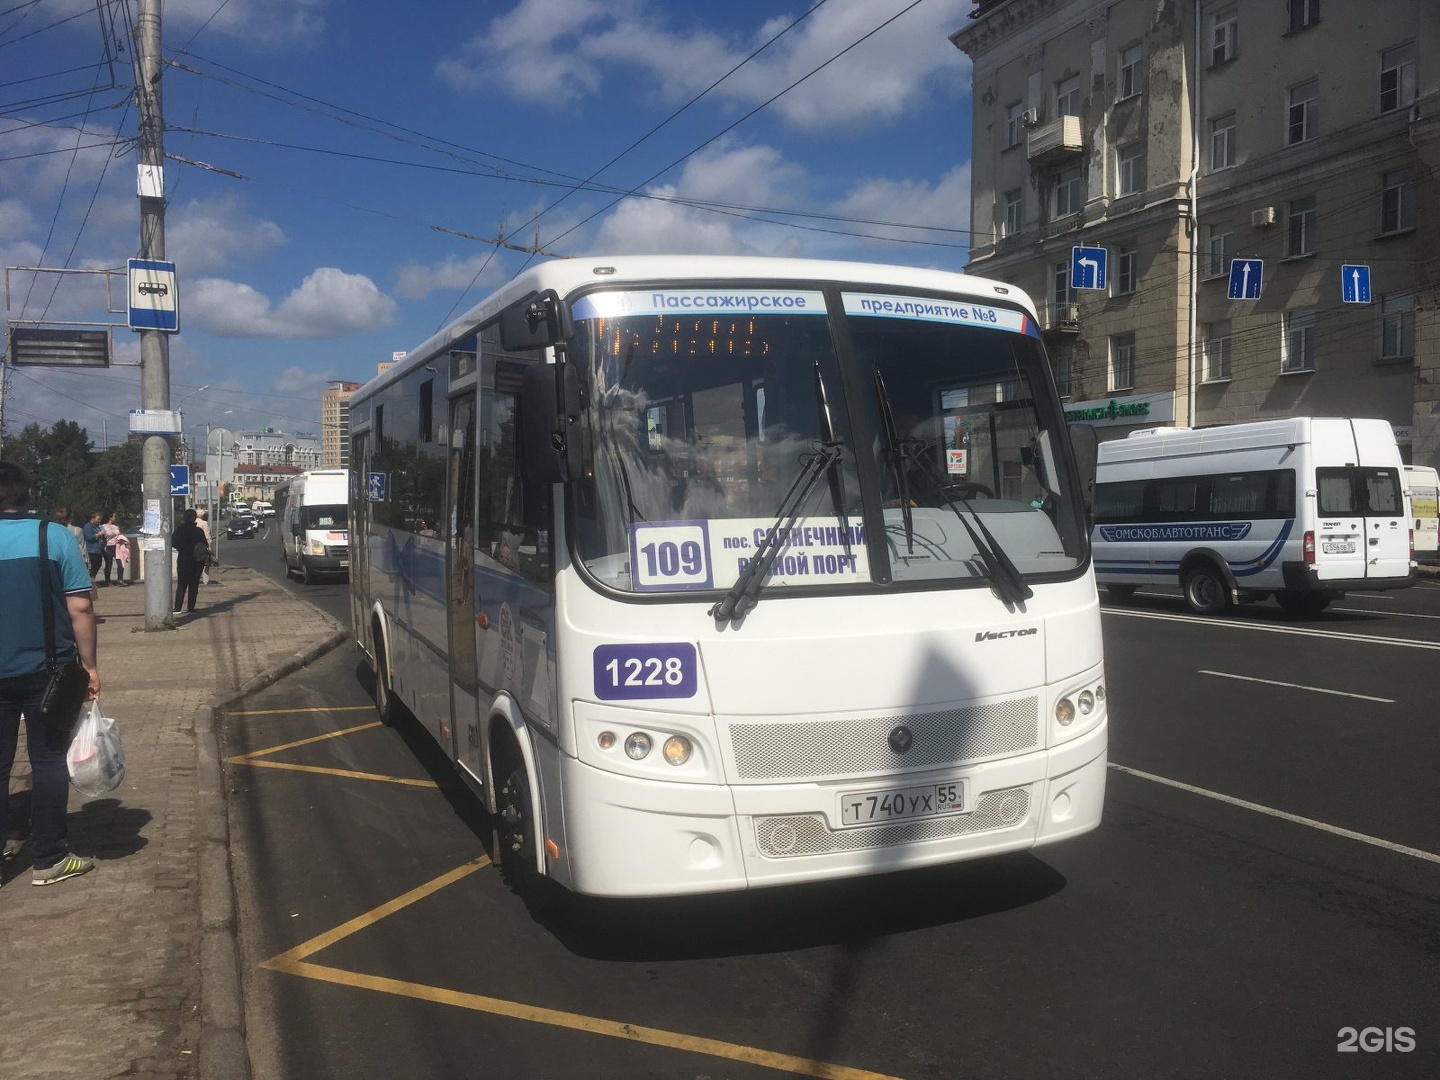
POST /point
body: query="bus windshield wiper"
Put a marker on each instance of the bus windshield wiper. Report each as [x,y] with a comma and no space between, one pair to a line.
[746,590]
[836,476]
[897,460]
[908,453]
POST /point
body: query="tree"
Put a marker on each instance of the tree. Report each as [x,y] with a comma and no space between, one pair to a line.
[66,470]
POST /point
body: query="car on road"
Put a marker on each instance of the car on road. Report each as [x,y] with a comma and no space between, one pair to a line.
[242,526]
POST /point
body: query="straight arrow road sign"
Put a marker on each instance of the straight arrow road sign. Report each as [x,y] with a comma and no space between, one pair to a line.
[1246,276]
[1355,284]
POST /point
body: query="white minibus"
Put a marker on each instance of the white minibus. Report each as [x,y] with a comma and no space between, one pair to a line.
[1422,485]
[718,573]
[314,524]
[1304,509]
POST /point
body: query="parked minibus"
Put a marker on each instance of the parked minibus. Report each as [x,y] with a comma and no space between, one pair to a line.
[1303,509]
[315,524]
[1422,485]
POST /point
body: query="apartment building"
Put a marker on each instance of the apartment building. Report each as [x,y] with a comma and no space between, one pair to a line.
[1230,158]
[335,424]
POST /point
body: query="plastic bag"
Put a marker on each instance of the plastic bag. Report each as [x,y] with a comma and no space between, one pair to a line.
[95,758]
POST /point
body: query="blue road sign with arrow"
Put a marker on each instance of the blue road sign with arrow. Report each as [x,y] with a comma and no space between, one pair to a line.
[1245,279]
[1355,284]
[179,480]
[1087,267]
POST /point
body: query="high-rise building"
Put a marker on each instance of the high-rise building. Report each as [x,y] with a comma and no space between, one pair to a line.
[335,424]
[1262,181]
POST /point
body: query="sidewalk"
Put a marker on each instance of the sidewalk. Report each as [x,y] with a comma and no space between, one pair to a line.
[132,969]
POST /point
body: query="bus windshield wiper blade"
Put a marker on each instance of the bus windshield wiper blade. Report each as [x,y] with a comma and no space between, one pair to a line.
[1003,573]
[897,460]
[836,477]
[746,590]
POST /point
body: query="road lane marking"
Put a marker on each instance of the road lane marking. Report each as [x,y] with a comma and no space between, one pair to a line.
[285,712]
[1297,686]
[1387,614]
[1401,849]
[1336,635]
[294,962]
[254,760]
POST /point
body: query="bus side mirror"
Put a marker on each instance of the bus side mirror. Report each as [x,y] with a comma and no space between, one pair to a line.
[538,321]
[1085,444]
[550,424]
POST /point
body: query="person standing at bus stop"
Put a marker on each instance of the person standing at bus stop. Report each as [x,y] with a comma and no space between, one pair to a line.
[192,552]
[94,536]
[24,670]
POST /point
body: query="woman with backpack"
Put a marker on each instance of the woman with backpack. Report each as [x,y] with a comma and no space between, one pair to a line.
[192,555]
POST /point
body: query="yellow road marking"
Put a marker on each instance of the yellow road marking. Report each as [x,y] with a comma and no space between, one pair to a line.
[307,742]
[281,712]
[348,773]
[293,962]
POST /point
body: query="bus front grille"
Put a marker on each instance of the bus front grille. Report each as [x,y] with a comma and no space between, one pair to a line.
[812,750]
[791,835]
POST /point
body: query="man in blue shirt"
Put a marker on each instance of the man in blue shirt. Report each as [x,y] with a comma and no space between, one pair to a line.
[94,537]
[24,669]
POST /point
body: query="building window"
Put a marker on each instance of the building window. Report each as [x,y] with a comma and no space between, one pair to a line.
[1062,293]
[1125,266]
[1013,207]
[1397,78]
[1300,227]
[1223,38]
[1131,168]
[1303,13]
[1069,191]
[1222,142]
[1297,350]
[1122,362]
[1397,201]
[1216,355]
[1014,124]
[1397,328]
[1067,96]
[1303,112]
[1063,360]
[1131,71]
[1220,246]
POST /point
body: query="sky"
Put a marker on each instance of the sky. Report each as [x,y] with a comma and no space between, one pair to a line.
[344,178]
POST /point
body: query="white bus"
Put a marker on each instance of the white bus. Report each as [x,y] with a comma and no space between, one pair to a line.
[1302,508]
[1422,487]
[719,573]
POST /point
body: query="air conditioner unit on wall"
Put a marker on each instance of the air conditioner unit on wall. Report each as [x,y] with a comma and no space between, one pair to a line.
[1030,117]
[1262,217]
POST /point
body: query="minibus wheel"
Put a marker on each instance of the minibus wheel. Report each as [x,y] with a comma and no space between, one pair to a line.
[1205,592]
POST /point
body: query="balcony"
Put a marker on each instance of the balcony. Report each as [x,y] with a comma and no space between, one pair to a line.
[1049,143]
[1060,318]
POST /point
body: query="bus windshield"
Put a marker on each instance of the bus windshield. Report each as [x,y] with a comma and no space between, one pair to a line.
[912,424]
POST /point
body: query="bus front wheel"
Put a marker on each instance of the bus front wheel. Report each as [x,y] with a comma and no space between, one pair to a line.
[514,827]
[1205,591]
[385,703]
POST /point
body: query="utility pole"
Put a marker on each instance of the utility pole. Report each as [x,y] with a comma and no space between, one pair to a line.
[156,453]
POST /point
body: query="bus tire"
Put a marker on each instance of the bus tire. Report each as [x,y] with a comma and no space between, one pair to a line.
[514,827]
[1302,605]
[1205,590]
[385,703]
[307,576]
[1121,592]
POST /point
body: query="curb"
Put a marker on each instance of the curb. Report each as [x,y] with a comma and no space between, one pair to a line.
[223,1051]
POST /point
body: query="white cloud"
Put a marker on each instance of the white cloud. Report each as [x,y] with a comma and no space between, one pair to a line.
[944,205]
[415,280]
[205,234]
[328,303]
[267,23]
[554,52]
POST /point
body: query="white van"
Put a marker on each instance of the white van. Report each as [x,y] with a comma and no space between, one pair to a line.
[1304,509]
[1422,485]
[315,524]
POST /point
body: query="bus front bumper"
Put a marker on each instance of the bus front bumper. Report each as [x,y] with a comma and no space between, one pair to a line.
[627,836]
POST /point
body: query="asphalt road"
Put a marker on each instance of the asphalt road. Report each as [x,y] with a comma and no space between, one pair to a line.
[1264,891]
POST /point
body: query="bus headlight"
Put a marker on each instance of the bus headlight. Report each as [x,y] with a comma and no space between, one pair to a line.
[606,740]
[637,745]
[676,750]
[1064,711]
[1087,703]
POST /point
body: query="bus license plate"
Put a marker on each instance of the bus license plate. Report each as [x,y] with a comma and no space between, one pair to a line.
[1338,547]
[902,803]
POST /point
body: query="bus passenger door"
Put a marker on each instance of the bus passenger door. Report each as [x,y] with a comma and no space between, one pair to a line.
[460,584]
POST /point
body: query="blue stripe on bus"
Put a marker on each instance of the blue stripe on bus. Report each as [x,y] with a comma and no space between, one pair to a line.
[1246,568]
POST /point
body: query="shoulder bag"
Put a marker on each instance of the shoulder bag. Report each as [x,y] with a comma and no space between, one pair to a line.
[69,683]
